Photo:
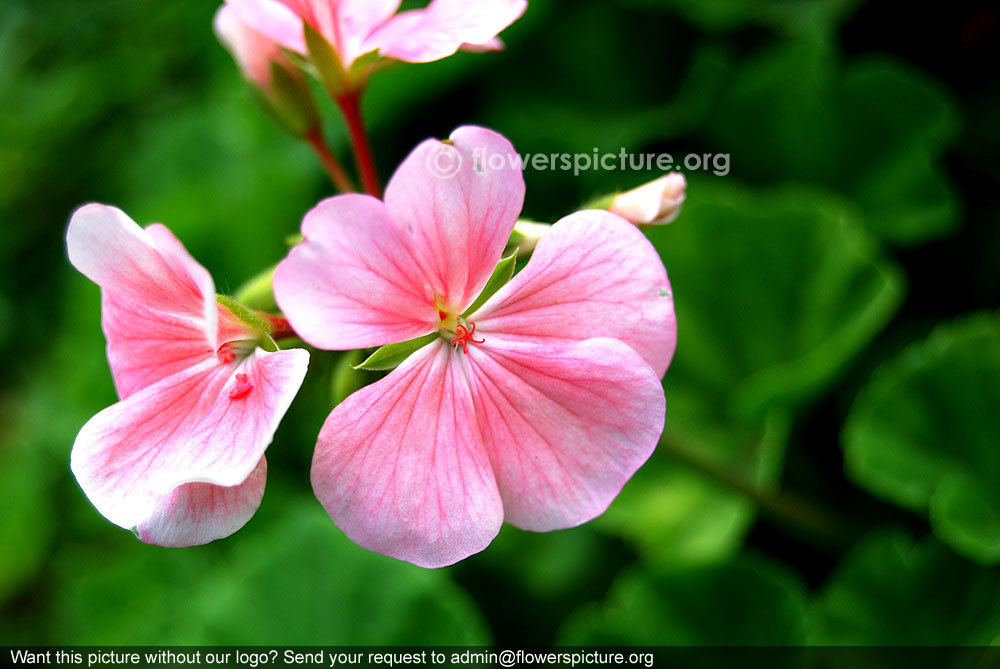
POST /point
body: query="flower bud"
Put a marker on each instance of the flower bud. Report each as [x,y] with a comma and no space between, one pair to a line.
[283,88]
[656,202]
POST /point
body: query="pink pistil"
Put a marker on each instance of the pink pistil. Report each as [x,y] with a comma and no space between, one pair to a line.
[242,388]
[465,336]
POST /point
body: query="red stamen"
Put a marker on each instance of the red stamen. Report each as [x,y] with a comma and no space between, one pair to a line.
[225,353]
[465,336]
[242,388]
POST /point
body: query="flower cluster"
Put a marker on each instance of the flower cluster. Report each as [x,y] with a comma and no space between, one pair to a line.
[529,398]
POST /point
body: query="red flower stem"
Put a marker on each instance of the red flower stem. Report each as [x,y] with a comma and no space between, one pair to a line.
[338,176]
[350,106]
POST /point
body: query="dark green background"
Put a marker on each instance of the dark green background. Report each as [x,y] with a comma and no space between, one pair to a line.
[830,469]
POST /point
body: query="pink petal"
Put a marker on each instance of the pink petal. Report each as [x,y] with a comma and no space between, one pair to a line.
[357,19]
[149,267]
[273,19]
[252,50]
[566,424]
[591,275]
[353,282]
[184,429]
[658,201]
[401,468]
[438,31]
[460,201]
[495,44]
[197,513]
[146,346]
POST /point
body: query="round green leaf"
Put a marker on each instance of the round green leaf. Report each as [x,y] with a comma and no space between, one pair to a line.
[924,434]
[892,591]
[745,602]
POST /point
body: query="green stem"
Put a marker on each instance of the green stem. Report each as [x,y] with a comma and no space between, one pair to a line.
[789,510]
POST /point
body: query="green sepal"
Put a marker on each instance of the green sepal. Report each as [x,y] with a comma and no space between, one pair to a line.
[245,315]
[291,102]
[390,355]
[364,66]
[326,62]
[501,275]
[258,292]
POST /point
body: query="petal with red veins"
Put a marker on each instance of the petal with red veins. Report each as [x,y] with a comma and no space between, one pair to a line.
[146,346]
[273,19]
[591,275]
[566,425]
[421,36]
[197,513]
[148,267]
[459,202]
[354,282]
[184,429]
[357,19]
[401,468]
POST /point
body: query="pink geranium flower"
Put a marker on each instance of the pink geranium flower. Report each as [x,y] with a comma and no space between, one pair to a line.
[180,459]
[356,27]
[535,409]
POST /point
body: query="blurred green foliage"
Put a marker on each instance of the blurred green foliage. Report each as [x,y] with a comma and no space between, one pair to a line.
[824,289]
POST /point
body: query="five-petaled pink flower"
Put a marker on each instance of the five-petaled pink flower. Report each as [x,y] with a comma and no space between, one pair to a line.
[180,459]
[357,27]
[535,409]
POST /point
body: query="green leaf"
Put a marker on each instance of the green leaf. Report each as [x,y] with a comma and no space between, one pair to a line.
[391,355]
[797,17]
[500,276]
[794,113]
[746,602]
[301,581]
[289,579]
[924,433]
[892,591]
[676,513]
[775,293]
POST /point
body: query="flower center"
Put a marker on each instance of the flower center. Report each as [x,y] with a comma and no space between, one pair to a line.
[465,337]
[232,350]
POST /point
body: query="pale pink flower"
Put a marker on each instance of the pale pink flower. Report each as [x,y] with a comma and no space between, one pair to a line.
[535,409]
[180,459]
[356,27]
[252,51]
[658,201]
